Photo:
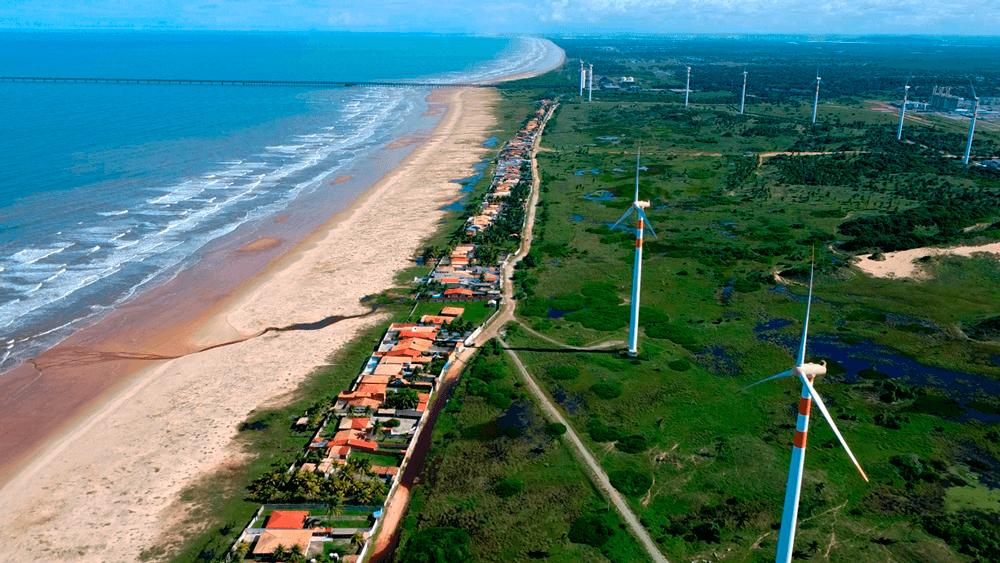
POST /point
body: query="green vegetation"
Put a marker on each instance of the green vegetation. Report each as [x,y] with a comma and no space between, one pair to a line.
[499,475]
[703,465]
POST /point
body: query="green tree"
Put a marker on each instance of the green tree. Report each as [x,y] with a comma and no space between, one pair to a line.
[295,554]
[403,399]
[279,553]
[358,540]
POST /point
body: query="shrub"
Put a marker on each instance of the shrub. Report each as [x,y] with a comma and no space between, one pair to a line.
[591,530]
[563,372]
[630,482]
[633,444]
[607,389]
[937,405]
[555,429]
[679,365]
[392,423]
[601,433]
[437,545]
[508,488]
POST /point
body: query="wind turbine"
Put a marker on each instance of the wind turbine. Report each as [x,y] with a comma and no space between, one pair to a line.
[641,220]
[816,101]
[902,110]
[743,98]
[583,77]
[590,92]
[972,128]
[687,89]
[806,373]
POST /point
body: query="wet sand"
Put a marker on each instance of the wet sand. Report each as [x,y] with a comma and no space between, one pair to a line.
[102,432]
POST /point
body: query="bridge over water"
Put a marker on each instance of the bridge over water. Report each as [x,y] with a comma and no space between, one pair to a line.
[232,82]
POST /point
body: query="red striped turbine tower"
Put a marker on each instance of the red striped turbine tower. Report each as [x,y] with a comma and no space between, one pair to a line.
[806,373]
[641,225]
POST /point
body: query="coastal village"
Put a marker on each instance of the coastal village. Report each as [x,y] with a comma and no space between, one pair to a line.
[327,506]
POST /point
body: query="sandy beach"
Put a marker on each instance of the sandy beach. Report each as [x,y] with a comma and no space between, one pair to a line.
[138,413]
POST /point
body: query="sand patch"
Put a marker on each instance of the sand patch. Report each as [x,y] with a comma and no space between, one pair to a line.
[341,179]
[263,243]
[406,141]
[904,263]
[281,219]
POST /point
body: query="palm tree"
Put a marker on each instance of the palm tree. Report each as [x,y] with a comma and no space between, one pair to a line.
[295,554]
[335,504]
[358,540]
[376,427]
[279,552]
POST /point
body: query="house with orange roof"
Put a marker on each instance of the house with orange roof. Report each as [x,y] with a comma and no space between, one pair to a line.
[435,319]
[378,379]
[269,540]
[387,370]
[363,403]
[287,519]
[452,311]
[353,423]
[340,451]
[458,292]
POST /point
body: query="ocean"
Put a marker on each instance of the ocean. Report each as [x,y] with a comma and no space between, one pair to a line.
[109,189]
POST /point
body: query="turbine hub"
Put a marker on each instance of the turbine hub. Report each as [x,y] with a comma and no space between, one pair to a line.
[642,204]
[810,370]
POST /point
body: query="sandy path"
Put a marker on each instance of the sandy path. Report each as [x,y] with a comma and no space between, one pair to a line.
[106,489]
[902,264]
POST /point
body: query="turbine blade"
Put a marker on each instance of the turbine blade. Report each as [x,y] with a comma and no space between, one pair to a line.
[805,327]
[638,150]
[826,414]
[773,377]
[647,222]
[625,216]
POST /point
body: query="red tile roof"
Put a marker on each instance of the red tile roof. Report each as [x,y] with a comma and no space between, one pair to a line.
[287,519]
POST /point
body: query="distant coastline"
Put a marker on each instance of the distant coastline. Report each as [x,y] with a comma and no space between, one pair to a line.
[88,383]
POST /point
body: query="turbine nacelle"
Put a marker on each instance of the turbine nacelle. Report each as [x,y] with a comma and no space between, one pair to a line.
[810,370]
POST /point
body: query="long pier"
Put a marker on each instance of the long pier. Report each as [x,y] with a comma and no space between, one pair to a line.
[233,82]
[287,83]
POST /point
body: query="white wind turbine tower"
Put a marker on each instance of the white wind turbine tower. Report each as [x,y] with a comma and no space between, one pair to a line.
[590,91]
[816,101]
[583,77]
[687,89]
[806,373]
[902,110]
[743,98]
[972,128]
[641,224]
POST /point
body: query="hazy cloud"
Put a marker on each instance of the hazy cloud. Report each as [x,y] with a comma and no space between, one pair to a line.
[973,17]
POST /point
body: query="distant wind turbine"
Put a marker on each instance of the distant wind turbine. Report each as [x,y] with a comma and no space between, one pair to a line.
[583,77]
[687,89]
[743,98]
[590,92]
[902,110]
[641,222]
[806,373]
[972,128]
[816,101]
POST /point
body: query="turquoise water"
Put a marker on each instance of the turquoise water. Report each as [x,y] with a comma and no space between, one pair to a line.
[107,189]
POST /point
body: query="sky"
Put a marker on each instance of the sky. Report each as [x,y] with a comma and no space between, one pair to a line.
[517,17]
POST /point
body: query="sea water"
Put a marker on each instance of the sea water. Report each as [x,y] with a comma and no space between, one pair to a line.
[107,189]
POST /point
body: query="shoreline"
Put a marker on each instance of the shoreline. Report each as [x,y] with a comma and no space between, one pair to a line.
[295,287]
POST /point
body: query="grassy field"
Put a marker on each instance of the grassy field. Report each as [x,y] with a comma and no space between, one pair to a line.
[702,463]
[711,461]
[500,475]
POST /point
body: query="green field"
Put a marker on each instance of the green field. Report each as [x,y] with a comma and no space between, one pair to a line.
[703,464]
[476,312]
